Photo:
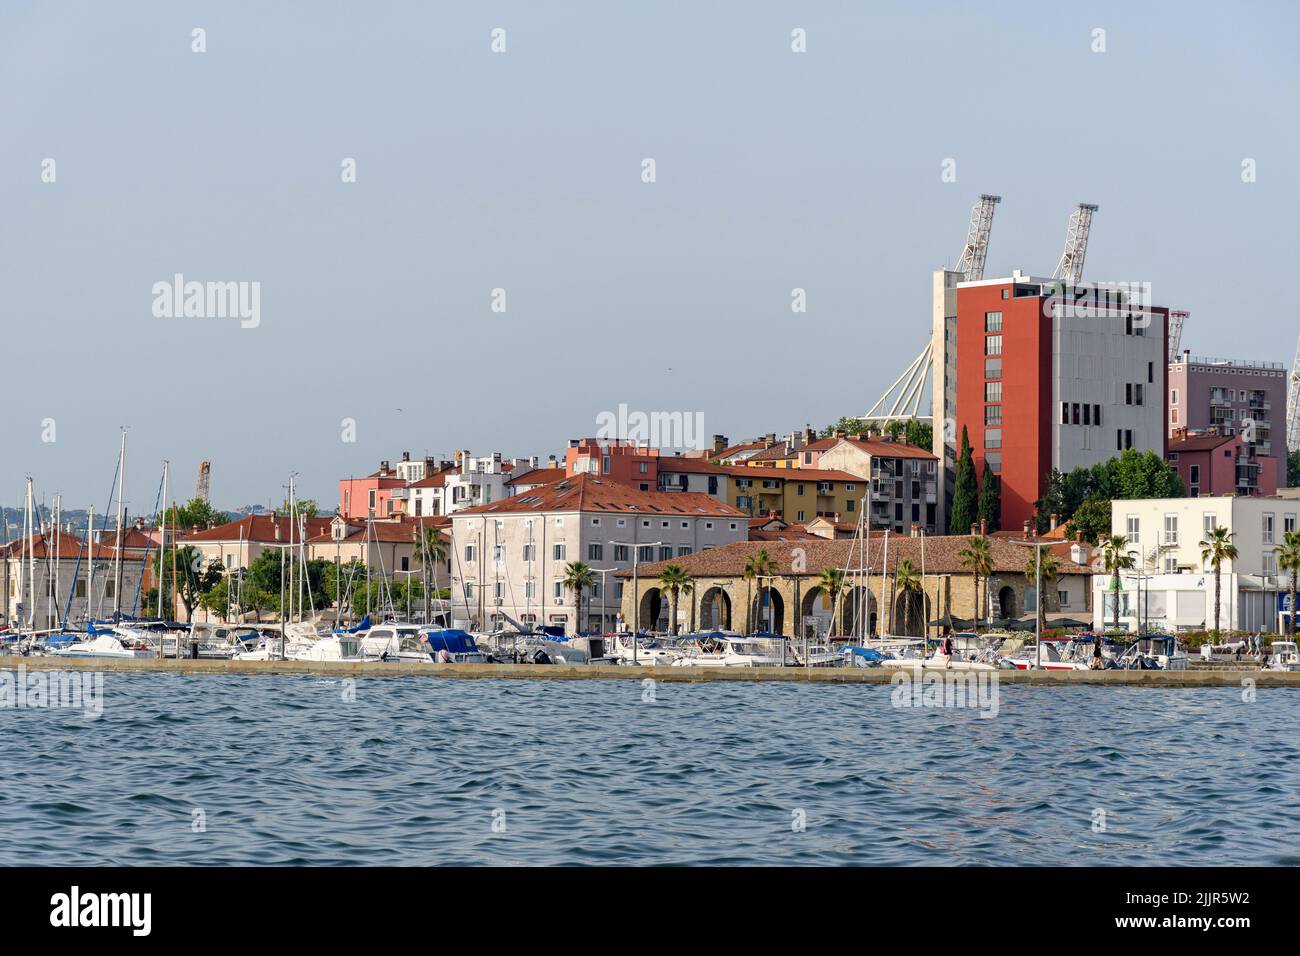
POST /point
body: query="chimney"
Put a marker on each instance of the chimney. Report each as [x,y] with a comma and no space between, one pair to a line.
[839,433]
[809,434]
[1078,537]
[383,467]
[771,514]
[406,456]
[1051,521]
[974,529]
[719,444]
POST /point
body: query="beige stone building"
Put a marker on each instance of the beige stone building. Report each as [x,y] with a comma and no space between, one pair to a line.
[872,602]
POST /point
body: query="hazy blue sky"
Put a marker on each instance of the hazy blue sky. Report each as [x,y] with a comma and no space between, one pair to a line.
[522,170]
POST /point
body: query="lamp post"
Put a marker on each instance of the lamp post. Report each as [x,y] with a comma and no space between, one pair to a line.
[1038,598]
[602,572]
[636,598]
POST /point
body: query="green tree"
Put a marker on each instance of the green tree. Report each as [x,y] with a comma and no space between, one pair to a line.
[261,588]
[964,501]
[1288,560]
[831,583]
[216,599]
[990,500]
[1293,469]
[578,577]
[431,549]
[676,580]
[1115,558]
[1092,518]
[185,574]
[196,513]
[1049,571]
[1217,547]
[977,557]
[305,507]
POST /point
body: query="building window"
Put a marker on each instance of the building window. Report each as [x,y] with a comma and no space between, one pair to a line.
[1096,414]
[994,460]
[993,345]
[666,552]
[1288,523]
[993,368]
[1062,597]
[1133,530]
[595,552]
[645,553]
[1209,521]
[992,414]
[1194,474]
[1268,528]
[992,391]
[1065,413]
[992,321]
[992,438]
[470,552]
[1173,396]
[557,552]
[1171,529]
[620,552]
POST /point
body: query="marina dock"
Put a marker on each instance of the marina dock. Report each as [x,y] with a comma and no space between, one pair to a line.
[815,675]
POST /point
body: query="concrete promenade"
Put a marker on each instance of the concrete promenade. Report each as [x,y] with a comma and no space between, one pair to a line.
[816,675]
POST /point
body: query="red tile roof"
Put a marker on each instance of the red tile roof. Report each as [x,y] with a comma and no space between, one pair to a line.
[1200,442]
[68,546]
[589,493]
[876,446]
[539,476]
[258,528]
[435,480]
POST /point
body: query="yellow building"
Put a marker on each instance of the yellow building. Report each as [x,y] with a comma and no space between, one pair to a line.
[797,495]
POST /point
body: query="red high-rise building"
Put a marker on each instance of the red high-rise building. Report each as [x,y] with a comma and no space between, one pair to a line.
[1043,380]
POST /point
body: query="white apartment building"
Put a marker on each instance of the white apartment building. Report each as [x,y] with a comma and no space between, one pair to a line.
[1177,586]
[509,557]
[466,483]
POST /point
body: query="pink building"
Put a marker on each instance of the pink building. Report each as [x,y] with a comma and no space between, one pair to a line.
[373,494]
[1213,464]
[1232,397]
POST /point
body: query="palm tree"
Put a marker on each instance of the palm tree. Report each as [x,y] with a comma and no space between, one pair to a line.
[758,566]
[430,551]
[1288,559]
[908,580]
[831,583]
[1115,558]
[979,559]
[675,579]
[577,577]
[1215,548]
[1047,574]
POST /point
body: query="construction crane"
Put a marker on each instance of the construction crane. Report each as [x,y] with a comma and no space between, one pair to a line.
[201,483]
[1293,404]
[1070,269]
[903,399]
[971,263]
[1176,319]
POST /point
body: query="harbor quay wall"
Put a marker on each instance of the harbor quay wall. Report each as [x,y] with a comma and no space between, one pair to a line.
[814,675]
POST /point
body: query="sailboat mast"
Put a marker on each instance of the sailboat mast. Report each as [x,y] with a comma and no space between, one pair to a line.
[121,518]
[31,561]
[162,539]
[90,563]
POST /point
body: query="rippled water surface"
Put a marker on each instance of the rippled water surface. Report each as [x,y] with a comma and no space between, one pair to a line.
[416,770]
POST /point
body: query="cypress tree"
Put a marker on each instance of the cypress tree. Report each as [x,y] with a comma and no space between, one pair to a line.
[990,499]
[965,492]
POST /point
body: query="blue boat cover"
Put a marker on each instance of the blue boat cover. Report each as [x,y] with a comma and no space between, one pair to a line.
[866,653]
[362,625]
[60,640]
[453,642]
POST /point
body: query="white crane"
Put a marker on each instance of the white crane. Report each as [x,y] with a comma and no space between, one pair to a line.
[1070,268]
[1293,404]
[903,399]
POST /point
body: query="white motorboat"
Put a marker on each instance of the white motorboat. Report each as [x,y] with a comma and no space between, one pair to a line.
[1283,657]
[392,640]
[937,661]
[331,647]
[648,652]
[721,650]
[297,639]
[104,646]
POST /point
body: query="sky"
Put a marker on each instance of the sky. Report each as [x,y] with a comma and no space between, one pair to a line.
[523,171]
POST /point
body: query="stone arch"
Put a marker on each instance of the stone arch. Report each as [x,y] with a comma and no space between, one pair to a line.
[653,607]
[911,614]
[761,612]
[1006,606]
[715,610]
[852,609]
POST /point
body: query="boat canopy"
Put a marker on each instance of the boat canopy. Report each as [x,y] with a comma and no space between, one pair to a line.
[453,642]
[362,625]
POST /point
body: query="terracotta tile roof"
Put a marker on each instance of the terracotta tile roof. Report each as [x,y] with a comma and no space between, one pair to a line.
[589,493]
[786,534]
[791,474]
[696,466]
[68,546]
[539,476]
[435,480]
[1200,442]
[879,446]
[387,531]
[258,528]
[941,556]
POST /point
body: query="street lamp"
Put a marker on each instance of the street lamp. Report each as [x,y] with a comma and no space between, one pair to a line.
[636,601]
[602,572]
[1038,598]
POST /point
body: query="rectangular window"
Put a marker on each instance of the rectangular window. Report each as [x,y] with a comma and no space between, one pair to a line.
[993,368]
[1209,521]
[1065,413]
[620,552]
[1128,393]
[1074,411]
[470,551]
[992,391]
[595,552]
[1171,529]
[1194,474]
[557,552]
[1087,414]
[1151,373]
[1133,530]
[528,552]
[1137,394]
[993,345]
[992,438]
[1268,528]
[1096,414]
[1288,523]
[994,459]
[645,553]
[992,414]
[992,321]
[1173,396]
[666,552]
